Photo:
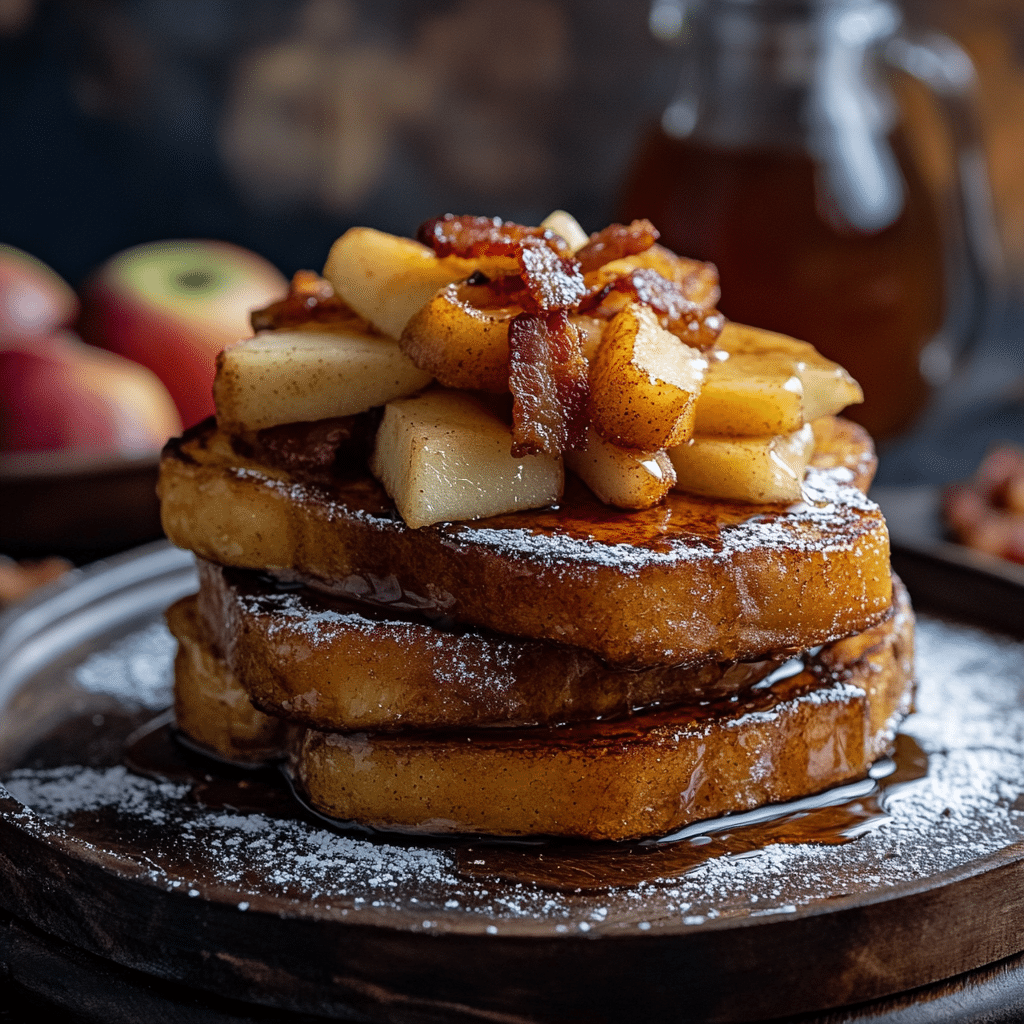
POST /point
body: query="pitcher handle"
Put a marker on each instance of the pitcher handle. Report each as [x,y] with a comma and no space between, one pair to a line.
[948,72]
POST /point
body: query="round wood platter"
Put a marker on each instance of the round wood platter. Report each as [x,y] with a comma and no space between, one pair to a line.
[213,881]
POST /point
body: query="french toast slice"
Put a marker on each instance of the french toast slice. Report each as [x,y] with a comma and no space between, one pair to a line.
[210,706]
[815,722]
[335,665]
[643,776]
[685,582]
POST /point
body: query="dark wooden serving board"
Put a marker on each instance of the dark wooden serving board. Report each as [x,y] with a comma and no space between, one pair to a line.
[212,892]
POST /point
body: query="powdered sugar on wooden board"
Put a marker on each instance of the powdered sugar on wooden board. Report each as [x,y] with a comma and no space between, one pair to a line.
[969,806]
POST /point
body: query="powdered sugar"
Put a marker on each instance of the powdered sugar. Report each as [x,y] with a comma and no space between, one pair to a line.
[829,508]
[136,671]
[970,806]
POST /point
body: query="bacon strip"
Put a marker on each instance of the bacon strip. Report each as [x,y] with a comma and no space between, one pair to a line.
[483,236]
[547,282]
[554,282]
[548,381]
[696,321]
[615,242]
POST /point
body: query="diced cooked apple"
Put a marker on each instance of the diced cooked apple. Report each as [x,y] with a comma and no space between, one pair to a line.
[761,383]
[387,279]
[298,376]
[461,344]
[828,388]
[622,477]
[750,394]
[590,330]
[644,382]
[566,226]
[754,469]
[442,456]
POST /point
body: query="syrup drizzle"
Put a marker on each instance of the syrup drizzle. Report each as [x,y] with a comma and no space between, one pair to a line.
[573,867]
[155,752]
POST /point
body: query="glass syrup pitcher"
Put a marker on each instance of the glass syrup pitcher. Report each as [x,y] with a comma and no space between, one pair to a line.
[783,160]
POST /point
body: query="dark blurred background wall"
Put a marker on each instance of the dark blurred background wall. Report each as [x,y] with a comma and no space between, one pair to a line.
[276,125]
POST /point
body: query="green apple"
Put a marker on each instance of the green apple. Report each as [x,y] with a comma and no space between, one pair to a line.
[173,305]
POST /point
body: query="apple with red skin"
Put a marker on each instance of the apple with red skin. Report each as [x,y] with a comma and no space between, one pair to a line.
[173,305]
[58,394]
[34,300]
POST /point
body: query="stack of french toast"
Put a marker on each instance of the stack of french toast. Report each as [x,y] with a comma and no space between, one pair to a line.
[506,530]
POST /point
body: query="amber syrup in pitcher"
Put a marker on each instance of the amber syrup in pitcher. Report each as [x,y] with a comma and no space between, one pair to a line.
[870,301]
[783,161]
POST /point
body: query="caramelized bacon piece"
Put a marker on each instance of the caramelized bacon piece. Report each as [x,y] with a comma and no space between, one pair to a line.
[310,300]
[499,291]
[548,381]
[700,283]
[548,282]
[616,241]
[483,236]
[696,321]
[553,282]
[549,273]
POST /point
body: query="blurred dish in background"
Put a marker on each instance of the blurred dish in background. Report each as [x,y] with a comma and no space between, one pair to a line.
[78,507]
[19,579]
[987,512]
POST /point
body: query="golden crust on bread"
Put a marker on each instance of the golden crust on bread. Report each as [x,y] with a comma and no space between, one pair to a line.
[644,776]
[685,582]
[210,706]
[641,775]
[335,665]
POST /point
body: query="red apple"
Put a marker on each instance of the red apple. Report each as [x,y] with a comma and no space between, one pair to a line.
[58,394]
[172,306]
[33,299]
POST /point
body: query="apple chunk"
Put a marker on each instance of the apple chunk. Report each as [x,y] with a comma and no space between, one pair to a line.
[460,343]
[299,376]
[442,456]
[622,477]
[754,469]
[386,279]
[644,382]
[567,227]
[761,383]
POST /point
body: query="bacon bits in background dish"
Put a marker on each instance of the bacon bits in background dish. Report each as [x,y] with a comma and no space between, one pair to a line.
[19,579]
[987,512]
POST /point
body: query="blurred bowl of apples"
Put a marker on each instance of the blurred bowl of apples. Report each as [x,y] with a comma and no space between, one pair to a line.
[92,385]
